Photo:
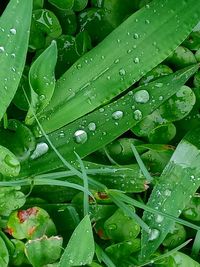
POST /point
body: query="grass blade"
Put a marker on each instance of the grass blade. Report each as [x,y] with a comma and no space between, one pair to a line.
[80,137]
[137,46]
[178,182]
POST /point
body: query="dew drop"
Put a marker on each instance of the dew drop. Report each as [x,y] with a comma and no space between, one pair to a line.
[80,137]
[167,193]
[137,115]
[136,36]
[40,150]
[136,60]
[13,55]
[79,66]
[141,96]
[92,126]
[160,98]
[159,218]
[129,51]
[2,49]
[159,85]
[13,31]
[117,115]
[116,61]
[101,110]
[42,97]
[122,72]
[154,234]
[147,21]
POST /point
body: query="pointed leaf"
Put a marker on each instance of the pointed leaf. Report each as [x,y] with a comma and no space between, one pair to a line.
[14,27]
[178,182]
[80,249]
[130,51]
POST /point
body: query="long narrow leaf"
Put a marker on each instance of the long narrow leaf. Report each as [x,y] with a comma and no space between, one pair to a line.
[178,182]
[140,43]
[14,35]
[102,126]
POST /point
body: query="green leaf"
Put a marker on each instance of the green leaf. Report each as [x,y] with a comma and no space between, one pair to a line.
[102,126]
[62,4]
[4,256]
[9,164]
[43,250]
[14,26]
[42,81]
[178,182]
[80,248]
[130,51]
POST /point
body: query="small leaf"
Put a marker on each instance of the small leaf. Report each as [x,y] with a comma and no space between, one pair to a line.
[80,248]
[42,81]
[43,250]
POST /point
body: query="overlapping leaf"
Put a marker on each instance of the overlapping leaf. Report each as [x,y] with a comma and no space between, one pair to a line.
[130,51]
[102,126]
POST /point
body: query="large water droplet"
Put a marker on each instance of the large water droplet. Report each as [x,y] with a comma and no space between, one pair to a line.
[2,49]
[80,137]
[13,31]
[137,115]
[117,115]
[154,234]
[141,96]
[159,218]
[40,150]
[167,193]
[92,126]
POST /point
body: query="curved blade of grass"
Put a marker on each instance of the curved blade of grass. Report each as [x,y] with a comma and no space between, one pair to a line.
[105,128]
[196,246]
[14,28]
[130,51]
[178,182]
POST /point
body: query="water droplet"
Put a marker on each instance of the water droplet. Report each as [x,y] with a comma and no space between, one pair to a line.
[103,57]
[159,218]
[147,21]
[112,226]
[117,115]
[137,115]
[79,66]
[136,36]
[42,97]
[136,60]
[108,77]
[118,40]
[122,72]
[159,85]
[11,161]
[116,61]
[13,31]
[80,137]
[13,69]
[92,126]
[141,96]
[154,234]
[101,110]
[62,134]
[41,149]
[129,51]
[160,98]
[167,193]
[2,49]
[147,6]
[13,55]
